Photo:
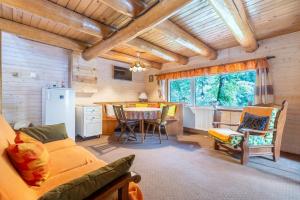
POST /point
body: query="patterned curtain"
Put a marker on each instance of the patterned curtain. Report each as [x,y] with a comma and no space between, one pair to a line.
[264,88]
[219,69]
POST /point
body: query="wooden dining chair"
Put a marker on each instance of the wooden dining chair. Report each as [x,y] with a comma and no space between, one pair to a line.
[125,124]
[159,123]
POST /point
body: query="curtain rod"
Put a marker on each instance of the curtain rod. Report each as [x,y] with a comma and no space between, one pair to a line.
[267,57]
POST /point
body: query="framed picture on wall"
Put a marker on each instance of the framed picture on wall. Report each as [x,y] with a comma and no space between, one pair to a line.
[122,73]
[151,78]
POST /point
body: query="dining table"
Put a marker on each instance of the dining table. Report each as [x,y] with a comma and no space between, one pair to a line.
[141,114]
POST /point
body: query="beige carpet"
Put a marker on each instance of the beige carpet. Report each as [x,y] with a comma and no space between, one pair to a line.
[189,169]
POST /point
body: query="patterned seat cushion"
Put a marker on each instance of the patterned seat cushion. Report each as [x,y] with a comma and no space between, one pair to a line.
[234,138]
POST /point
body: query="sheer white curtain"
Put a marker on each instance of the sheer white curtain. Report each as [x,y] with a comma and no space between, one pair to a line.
[163,90]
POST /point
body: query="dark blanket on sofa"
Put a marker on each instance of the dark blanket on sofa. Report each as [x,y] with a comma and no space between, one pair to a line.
[86,185]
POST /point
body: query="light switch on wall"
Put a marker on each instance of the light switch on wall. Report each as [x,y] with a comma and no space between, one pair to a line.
[33,75]
[15,74]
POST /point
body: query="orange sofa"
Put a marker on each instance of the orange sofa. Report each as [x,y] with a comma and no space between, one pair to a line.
[68,161]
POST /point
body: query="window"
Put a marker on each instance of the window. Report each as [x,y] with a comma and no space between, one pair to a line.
[181,91]
[235,89]
[206,90]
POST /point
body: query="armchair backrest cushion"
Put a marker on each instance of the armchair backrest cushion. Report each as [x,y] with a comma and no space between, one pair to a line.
[262,112]
[171,111]
[254,122]
[141,105]
[271,112]
[164,114]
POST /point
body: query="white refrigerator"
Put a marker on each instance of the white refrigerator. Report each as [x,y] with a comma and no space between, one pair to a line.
[58,106]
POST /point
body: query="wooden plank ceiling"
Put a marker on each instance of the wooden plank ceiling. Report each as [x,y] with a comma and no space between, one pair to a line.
[201,19]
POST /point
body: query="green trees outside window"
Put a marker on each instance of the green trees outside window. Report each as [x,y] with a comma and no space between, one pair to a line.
[206,90]
[181,91]
[235,89]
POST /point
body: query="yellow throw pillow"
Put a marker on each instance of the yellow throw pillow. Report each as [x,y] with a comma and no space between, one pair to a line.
[154,105]
[141,105]
[31,159]
[172,109]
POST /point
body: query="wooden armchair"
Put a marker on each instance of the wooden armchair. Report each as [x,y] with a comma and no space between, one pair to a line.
[249,142]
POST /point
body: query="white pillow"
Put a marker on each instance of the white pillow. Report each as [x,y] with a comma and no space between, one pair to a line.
[22,124]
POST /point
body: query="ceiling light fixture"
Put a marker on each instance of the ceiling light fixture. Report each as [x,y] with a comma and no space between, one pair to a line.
[137,66]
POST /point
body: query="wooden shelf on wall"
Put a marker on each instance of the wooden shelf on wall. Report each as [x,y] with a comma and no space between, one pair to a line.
[84,94]
[85,79]
[85,74]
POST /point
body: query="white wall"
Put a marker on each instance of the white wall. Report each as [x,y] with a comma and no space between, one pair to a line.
[22,94]
[189,117]
[152,87]
[108,89]
[285,72]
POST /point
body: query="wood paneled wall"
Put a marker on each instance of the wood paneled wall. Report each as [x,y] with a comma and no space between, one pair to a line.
[21,91]
[106,89]
[285,72]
